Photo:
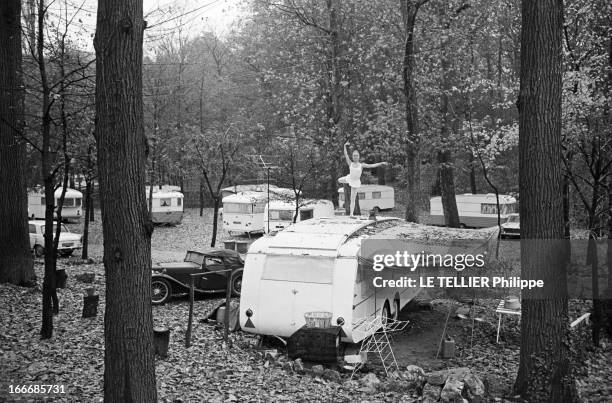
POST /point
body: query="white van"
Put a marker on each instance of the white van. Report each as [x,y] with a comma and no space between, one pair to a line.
[167,206]
[372,197]
[71,209]
[281,212]
[243,212]
[475,210]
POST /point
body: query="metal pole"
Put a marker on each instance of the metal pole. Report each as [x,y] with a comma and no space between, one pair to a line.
[268,200]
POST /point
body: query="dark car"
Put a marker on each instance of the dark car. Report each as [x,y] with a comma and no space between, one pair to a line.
[175,278]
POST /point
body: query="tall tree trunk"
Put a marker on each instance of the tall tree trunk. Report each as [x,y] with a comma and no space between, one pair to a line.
[201,192]
[445,161]
[409,9]
[16,265]
[544,365]
[473,187]
[129,365]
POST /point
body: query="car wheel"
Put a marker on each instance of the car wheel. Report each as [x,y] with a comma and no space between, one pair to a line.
[161,291]
[462,225]
[376,209]
[39,251]
[67,252]
[237,284]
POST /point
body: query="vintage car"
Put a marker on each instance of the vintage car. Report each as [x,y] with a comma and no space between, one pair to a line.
[68,241]
[170,279]
[512,227]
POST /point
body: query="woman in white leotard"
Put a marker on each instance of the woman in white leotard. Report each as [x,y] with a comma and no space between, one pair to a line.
[353,179]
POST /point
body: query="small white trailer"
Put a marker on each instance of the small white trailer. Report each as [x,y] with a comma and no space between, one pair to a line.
[372,197]
[71,209]
[281,212]
[475,210]
[243,212]
[167,205]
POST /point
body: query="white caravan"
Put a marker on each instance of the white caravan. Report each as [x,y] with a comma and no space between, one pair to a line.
[319,265]
[71,209]
[314,266]
[281,212]
[372,197]
[167,206]
[243,212]
[475,210]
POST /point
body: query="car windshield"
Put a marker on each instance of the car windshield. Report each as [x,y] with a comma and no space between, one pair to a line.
[64,229]
[514,218]
[194,257]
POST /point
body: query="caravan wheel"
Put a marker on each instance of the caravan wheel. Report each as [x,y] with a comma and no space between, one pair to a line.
[386,313]
[396,307]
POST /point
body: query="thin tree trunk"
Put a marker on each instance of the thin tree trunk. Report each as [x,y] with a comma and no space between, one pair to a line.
[46,331]
[85,251]
[544,367]
[409,9]
[213,240]
[201,196]
[16,264]
[447,176]
[129,365]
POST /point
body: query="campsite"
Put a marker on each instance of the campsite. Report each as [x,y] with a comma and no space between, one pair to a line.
[306,200]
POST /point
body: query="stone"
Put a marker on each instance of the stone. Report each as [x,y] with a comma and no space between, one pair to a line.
[370,381]
[298,366]
[415,376]
[440,377]
[451,392]
[431,393]
[332,375]
[317,370]
[475,388]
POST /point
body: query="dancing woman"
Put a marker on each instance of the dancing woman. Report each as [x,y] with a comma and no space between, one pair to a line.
[353,179]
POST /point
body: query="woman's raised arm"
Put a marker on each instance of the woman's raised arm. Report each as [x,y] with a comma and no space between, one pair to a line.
[348,160]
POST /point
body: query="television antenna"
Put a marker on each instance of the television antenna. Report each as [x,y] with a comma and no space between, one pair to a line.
[262,162]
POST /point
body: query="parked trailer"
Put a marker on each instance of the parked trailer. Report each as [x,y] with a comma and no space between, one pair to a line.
[281,212]
[475,210]
[167,206]
[318,265]
[372,197]
[71,209]
[243,212]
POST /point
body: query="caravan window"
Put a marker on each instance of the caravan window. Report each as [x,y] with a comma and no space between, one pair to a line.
[361,195]
[509,208]
[32,229]
[376,195]
[43,201]
[165,202]
[306,214]
[67,202]
[237,208]
[305,269]
[488,208]
[341,196]
[258,208]
[282,215]
[77,202]
[179,201]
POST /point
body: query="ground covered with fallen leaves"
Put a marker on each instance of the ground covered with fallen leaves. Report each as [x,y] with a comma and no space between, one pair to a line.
[213,371]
